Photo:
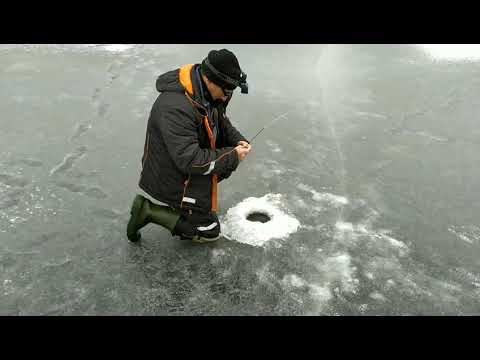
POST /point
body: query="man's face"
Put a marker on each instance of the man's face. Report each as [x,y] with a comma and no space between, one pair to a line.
[216,91]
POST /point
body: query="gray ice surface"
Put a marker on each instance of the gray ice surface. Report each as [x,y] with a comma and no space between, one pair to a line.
[378,159]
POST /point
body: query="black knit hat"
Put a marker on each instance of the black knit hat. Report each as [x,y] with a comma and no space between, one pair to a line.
[222,68]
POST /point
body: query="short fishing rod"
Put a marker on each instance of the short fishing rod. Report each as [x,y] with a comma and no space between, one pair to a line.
[270,123]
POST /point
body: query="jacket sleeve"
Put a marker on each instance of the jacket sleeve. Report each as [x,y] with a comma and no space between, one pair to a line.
[179,132]
[232,135]
[224,176]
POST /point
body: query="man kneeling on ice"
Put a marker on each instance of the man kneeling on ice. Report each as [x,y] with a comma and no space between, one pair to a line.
[190,146]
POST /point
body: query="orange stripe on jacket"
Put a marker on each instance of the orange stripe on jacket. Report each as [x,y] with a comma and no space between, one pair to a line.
[214,177]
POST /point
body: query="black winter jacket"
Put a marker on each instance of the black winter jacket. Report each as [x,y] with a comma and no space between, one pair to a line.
[178,162]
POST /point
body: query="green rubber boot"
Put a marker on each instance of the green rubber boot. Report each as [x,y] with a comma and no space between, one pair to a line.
[143,212]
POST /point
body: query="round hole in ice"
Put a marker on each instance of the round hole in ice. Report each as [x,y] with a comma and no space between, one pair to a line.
[239,226]
[258,216]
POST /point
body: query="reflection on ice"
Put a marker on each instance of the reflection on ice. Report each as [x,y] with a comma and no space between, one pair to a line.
[117,47]
[456,52]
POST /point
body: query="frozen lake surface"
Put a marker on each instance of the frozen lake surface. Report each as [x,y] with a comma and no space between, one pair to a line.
[373,174]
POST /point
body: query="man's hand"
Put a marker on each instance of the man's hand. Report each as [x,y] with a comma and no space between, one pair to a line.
[243,149]
[243,143]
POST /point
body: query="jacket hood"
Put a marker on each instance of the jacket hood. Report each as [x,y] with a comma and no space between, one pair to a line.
[169,82]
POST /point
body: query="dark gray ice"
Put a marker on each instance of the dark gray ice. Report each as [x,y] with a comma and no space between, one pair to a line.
[378,158]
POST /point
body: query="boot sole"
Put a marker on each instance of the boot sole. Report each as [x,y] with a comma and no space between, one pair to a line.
[133,234]
[203,240]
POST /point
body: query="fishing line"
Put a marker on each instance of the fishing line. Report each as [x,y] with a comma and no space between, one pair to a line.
[269,124]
